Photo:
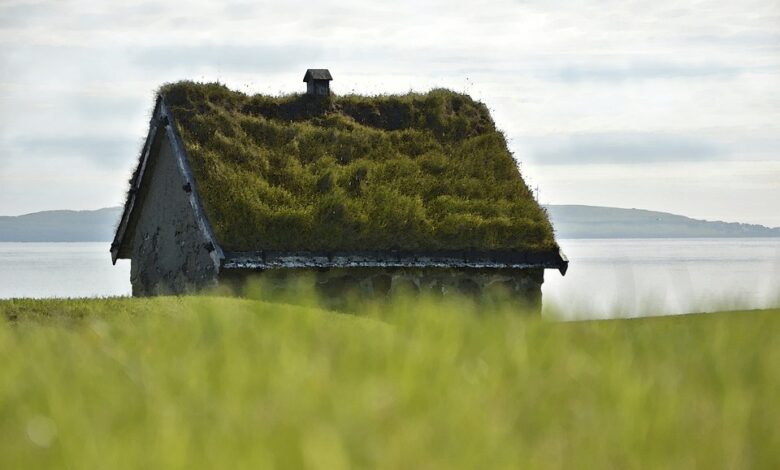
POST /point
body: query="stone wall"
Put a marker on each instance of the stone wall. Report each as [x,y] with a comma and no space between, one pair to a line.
[170,255]
[335,285]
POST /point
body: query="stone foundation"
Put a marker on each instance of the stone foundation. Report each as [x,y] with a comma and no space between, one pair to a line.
[338,284]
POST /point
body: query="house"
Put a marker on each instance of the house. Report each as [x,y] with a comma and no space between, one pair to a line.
[317,81]
[371,194]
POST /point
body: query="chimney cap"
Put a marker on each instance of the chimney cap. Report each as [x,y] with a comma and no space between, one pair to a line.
[317,74]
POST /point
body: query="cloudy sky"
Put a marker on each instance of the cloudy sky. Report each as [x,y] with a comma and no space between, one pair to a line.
[655,104]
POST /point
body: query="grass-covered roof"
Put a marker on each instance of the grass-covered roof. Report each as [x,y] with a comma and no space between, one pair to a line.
[399,172]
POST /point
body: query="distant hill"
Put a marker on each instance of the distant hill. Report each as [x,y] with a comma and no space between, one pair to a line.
[572,221]
[61,226]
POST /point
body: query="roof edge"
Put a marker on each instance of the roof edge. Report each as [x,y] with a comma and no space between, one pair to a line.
[553,259]
[182,160]
[162,122]
[135,183]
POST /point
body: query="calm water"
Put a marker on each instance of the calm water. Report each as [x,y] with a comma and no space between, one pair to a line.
[606,277]
[61,270]
[638,277]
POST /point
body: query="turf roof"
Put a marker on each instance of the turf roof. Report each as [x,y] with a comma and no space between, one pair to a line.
[396,172]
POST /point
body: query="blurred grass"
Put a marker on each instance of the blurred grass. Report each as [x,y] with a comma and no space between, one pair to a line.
[208,382]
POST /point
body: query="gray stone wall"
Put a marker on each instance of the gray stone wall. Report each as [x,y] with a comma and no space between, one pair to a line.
[524,286]
[169,251]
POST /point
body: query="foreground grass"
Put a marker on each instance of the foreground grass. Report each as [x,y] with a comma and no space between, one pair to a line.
[226,383]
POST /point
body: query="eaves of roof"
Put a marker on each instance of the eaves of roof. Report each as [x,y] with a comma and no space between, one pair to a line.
[397,259]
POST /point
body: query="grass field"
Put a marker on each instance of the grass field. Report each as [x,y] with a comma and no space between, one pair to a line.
[207,382]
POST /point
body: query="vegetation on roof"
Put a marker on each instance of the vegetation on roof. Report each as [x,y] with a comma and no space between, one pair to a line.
[408,172]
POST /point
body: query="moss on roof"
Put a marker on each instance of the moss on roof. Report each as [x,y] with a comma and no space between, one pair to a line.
[408,172]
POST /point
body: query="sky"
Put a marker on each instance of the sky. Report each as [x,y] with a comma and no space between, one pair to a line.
[653,104]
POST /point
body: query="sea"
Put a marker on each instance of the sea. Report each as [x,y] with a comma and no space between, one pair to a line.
[607,278]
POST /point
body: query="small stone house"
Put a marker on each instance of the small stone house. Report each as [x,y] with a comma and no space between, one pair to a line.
[364,194]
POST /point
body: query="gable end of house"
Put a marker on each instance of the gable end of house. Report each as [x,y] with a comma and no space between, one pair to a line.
[163,223]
